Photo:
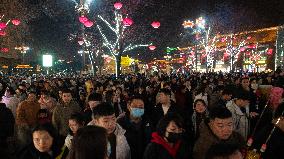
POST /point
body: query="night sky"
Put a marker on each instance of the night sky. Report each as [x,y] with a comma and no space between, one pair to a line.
[56,21]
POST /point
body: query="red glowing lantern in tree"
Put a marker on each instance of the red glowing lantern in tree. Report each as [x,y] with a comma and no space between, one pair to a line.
[270,52]
[83,19]
[152,47]
[4,50]
[127,22]
[242,49]
[3,26]
[16,22]
[80,42]
[2,33]
[117,5]
[156,24]
[88,24]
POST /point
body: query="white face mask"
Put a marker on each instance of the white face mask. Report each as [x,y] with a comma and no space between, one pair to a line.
[254,86]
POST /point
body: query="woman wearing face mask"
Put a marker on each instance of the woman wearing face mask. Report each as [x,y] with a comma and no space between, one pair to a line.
[168,141]
[44,144]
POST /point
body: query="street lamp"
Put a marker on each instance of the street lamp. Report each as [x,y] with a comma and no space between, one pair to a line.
[23,50]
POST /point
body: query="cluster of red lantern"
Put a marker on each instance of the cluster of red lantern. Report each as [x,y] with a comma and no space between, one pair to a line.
[3,25]
[5,50]
[84,20]
[80,42]
[152,47]
[16,22]
[127,22]
[2,33]
[269,51]
[156,24]
[117,5]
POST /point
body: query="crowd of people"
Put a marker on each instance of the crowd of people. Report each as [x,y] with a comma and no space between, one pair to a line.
[160,116]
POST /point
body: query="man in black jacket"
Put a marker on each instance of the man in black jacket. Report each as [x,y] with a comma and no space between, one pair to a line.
[137,126]
[7,122]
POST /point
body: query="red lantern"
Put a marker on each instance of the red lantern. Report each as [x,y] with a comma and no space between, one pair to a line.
[156,24]
[5,50]
[3,26]
[127,22]
[242,49]
[152,47]
[270,52]
[80,42]
[83,19]
[2,33]
[88,24]
[16,22]
[117,5]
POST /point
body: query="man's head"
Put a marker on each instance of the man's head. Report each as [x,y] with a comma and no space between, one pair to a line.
[44,94]
[136,107]
[66,96]
[31,96]
[165,96]
[227,94]
[224,151]
[94,99]
[104,116]
[242,99]
[221,122]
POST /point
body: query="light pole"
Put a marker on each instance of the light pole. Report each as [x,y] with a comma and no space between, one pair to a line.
[23,49]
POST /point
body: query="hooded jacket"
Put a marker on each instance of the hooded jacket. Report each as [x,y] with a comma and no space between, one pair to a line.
[159,148]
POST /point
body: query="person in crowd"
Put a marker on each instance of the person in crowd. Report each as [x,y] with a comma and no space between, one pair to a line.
[43,116]
[226,95]
[11,100]
[240,113]
[138,127]
[26,117]
[274,147]
[164,106]
[219,128]
[46,101]
[76,121]
[90,143]
[93,100]
[21,92]
[224,151]
[200,114]
[7,122]
[82,100]
[104,116]
[44,145]
[168,141]
[201,93]
[119,104]
[63,112]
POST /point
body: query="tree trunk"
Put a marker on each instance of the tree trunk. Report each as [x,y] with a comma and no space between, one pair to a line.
[117,65]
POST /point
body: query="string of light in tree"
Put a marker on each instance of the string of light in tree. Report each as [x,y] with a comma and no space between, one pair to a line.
[106,42]
[130,47]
